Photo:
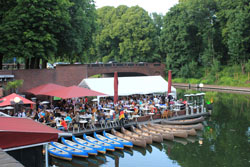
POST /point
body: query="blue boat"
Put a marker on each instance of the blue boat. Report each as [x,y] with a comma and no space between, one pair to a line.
[71,150]
[98,142]
[118,139]
[116,144]
[98,148]
[89,150]
[59,153]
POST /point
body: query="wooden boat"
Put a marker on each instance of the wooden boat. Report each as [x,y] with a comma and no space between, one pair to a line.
[132,134]
[59,153]
[184,121]
[177,133]
[198,126]
[155,137]
[89,150]
[149,148]
[181,140]
[182,134]
[135,141]
[98,148]
[140,150]
[166,136]
[71,150]
[190,132]
[116,144]
[107,146]
[126,143]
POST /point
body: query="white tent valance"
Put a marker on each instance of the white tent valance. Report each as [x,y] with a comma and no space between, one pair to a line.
[128,85]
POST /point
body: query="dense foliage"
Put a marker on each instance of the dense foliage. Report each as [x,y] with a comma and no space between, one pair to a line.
[195,39]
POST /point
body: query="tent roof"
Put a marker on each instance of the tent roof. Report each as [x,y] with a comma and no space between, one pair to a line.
[15,132]
[128,85]
[40,90]
[6,101]
[72,92]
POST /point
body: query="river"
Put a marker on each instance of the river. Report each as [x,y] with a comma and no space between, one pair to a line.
[224,142]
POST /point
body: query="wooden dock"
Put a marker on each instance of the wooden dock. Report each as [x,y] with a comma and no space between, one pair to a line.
[227,89]
[127,125]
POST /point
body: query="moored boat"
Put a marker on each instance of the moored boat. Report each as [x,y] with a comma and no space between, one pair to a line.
[155,137]
[116,144]
[89,150]
[126,143]
[135,141]
[132,134]
[166,136]
[190,132]
[198,126]
[184,121]
[59,153]
[182,134]
[107,146]
[71,150]
[98,148]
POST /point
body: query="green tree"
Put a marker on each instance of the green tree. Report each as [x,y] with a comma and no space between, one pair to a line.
[14,85]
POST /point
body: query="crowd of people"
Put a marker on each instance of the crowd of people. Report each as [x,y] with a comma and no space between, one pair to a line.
[64,113]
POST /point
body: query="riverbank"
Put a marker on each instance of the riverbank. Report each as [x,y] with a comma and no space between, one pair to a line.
[204,87]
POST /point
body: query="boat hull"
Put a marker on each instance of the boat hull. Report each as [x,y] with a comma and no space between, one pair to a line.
[132,134]
[184,122]
[120,140]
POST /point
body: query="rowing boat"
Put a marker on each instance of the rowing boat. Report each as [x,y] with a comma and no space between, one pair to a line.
[184,121]
[155,137]
[59,153]
[116,144]
[135,141]
[132,134]
[98,148]
[71,150]
[198,126]
[126,143]
[89,150]
[166,136]
[107,146]
[190,132]
[182,134]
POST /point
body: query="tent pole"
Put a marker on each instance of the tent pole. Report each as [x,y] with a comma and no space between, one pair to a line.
[46,155]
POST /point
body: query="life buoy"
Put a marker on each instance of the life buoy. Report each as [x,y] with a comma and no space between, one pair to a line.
[154,110]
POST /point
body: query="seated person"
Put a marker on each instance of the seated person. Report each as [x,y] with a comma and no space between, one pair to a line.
[63,125]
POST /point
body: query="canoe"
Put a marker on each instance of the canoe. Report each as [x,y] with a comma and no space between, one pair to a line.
[59,153]
[166,136]
[135,141]
[132,134]
[69,149]
[107,146]
[198,126]
[126,143]
[155,137]
[182,134]
[190,132]
[98,148]
[181,140]
[184,121]
[89,150]
[116,144]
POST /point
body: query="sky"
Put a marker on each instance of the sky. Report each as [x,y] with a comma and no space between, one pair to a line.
[158,6]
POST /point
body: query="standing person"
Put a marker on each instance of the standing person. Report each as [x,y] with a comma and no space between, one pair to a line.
[121,117]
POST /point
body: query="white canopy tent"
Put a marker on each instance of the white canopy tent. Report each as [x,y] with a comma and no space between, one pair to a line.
[128,85]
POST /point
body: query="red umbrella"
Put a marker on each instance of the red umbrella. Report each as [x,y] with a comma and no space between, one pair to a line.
[14,99]
[73,91]
[169,81]
[115,87]
[40,90]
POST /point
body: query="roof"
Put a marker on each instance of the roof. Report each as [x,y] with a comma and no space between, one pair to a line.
[16,132]
[40,90]
[72,92]
[128,85]
[6,101]
[8,161]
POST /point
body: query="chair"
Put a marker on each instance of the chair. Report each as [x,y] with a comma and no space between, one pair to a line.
[76,125]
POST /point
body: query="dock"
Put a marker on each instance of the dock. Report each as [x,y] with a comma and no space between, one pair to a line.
[7,160]
[129,124]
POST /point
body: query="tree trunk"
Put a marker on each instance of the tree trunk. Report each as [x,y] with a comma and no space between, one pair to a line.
[44,65]
[27,63]
[37,63]
[32,63]
[1,61]
[243,68]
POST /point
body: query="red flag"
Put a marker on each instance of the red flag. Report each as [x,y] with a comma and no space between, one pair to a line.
[169,81]
[115,88]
